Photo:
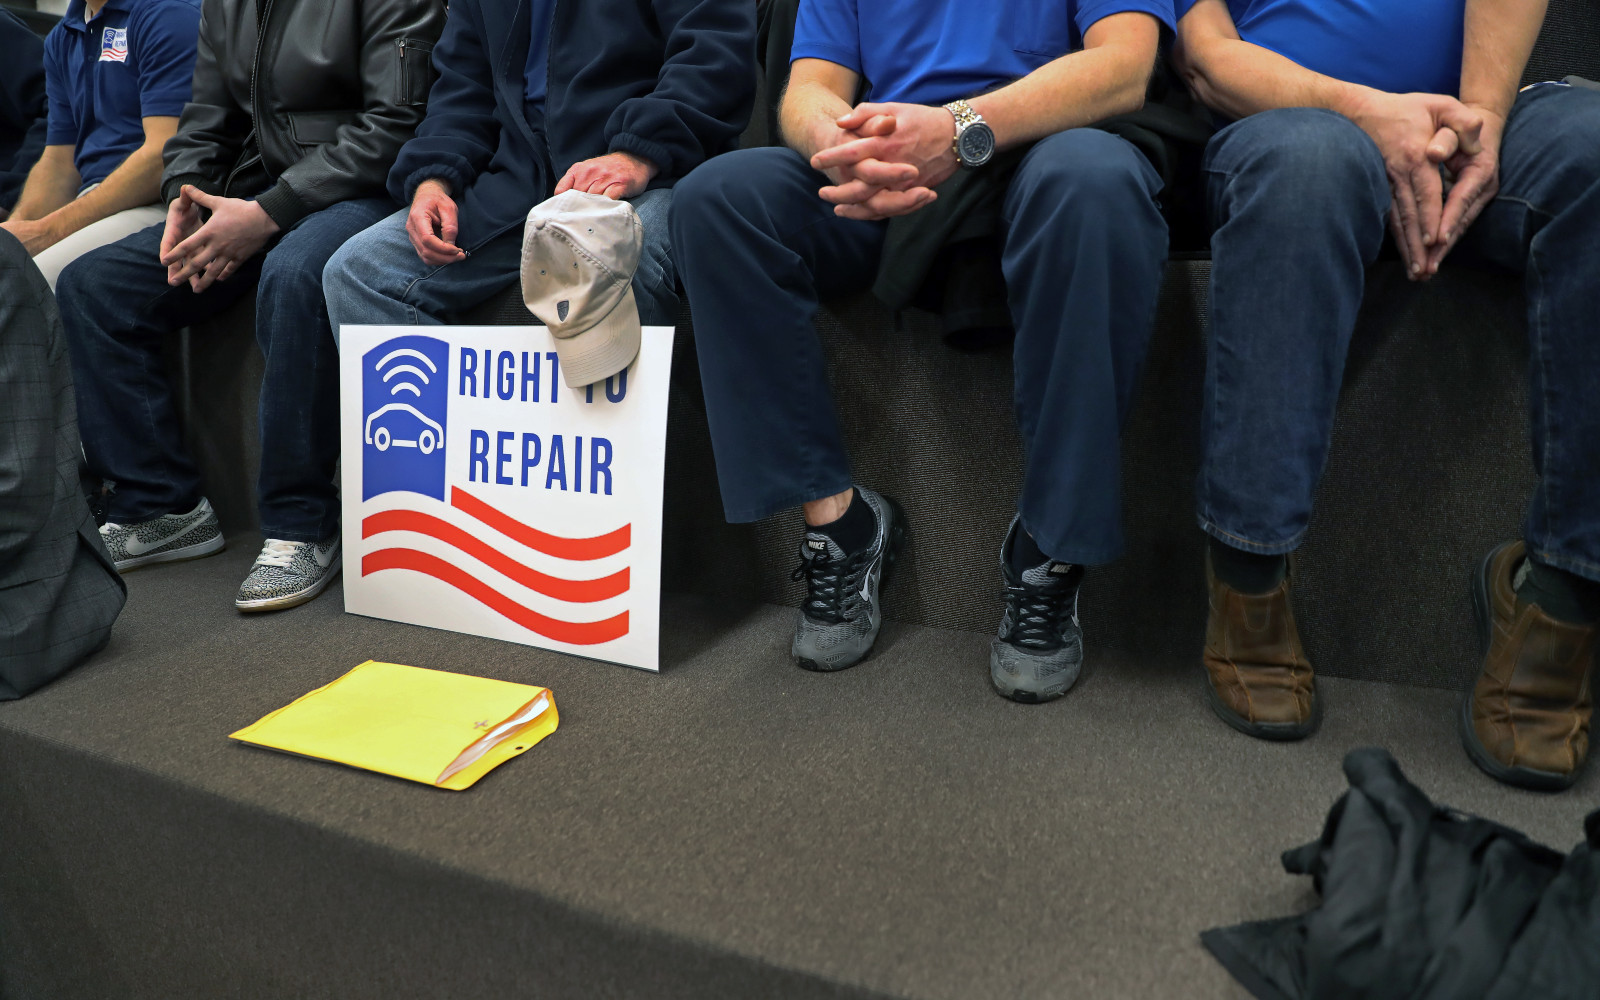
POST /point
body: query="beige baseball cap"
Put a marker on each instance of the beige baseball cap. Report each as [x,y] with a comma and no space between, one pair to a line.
[579,252]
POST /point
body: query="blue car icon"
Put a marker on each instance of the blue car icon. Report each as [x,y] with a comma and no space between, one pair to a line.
[427,440]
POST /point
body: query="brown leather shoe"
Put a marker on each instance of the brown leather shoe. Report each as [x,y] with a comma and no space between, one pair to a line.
[1526,722]
[1260,681]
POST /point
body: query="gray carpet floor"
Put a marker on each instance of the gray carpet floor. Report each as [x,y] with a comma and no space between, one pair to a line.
[895,827]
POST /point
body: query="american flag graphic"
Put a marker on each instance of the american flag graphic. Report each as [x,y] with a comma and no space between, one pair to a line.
[502,545]
[114,45]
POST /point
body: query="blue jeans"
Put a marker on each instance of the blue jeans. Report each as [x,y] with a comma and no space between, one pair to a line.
[1299,203]
[378,279]
[1084,247]
[117,309]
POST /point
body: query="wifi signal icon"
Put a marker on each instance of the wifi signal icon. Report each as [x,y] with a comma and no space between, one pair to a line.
[404,398]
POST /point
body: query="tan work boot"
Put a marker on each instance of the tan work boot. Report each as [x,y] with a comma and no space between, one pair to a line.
[1526,722]
[1260,681]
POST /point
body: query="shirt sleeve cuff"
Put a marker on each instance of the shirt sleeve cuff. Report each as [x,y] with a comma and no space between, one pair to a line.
[162,109]
[658,155]
[847,58]
[458,181]
[283,206]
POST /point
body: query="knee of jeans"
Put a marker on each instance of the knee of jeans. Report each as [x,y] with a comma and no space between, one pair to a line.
[721,189]
[1088,178]
[345,268]
[75,285]
[283,275]
[1307,152]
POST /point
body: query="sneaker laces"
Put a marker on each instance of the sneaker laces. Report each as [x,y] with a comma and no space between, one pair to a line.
[278,552]
[1039,614]
[831,592]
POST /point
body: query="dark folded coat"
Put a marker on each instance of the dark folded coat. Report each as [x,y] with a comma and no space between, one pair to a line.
[1425,903]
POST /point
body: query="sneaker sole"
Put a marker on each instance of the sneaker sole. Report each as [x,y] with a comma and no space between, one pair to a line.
[1023,696]
[199,550]
[297,598]
[1518,777]
[897,541]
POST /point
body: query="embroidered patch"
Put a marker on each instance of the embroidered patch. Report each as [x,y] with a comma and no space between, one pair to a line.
[114,45]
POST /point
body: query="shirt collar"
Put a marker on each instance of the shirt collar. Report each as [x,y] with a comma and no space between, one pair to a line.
[73,18]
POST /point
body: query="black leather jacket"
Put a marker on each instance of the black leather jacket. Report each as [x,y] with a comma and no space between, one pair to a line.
[303,103]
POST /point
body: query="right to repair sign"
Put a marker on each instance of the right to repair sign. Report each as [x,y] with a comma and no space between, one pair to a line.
[483,495]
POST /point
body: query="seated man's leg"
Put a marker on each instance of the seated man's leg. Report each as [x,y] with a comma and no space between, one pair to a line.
[655,284]
[96,235]
[1538,601]
[299,500]
[1298,201]
[1085,248]
[377,278]
[117,309]
[61,592]
[756,247]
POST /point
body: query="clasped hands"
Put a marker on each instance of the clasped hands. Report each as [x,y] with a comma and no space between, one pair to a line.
[205,253]
[886,159]
[1443,163]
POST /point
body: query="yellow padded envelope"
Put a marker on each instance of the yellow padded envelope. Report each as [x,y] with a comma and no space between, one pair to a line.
[442,729]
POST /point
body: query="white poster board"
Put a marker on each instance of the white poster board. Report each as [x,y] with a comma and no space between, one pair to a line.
[482,495]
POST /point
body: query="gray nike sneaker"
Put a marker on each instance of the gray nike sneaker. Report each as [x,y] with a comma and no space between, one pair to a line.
[1039,652]
[287,574]
[170,538]
[840,618]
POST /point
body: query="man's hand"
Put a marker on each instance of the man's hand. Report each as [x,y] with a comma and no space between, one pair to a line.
[183,219]
[36,236]
[236,231]
[1477,181]
[869,170]
[1416,133]
[615,175]
[433,225]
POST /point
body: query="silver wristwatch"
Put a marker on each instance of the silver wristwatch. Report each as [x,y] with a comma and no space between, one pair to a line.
[974,141]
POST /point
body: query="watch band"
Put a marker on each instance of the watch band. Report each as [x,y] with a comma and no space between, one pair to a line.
[965,119]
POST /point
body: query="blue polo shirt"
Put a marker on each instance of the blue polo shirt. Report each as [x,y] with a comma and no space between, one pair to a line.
[135,60]
[1401,46]
[937,51]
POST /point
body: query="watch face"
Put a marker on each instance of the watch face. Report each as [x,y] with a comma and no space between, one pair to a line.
[977,145]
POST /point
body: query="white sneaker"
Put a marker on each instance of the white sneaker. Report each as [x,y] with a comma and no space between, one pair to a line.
[170,538]
[289,573]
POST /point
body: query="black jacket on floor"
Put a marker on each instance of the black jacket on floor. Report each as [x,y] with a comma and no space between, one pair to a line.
[1421,902]
[22,107]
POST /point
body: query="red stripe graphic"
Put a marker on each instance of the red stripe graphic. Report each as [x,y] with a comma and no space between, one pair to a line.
[551,545]
[572,591]
[572,633]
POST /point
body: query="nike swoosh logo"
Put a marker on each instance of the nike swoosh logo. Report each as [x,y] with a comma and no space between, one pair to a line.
[324,561]
[136,547]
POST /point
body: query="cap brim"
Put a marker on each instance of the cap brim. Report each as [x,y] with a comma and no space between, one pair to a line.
[605,348]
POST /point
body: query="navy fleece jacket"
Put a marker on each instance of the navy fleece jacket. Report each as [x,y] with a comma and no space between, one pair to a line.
[672,81]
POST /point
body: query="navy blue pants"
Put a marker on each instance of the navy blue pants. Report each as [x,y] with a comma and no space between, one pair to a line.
[1299,201]
[1084,247]
[117,308]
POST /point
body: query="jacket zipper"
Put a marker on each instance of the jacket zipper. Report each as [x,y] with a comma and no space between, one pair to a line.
[255,72]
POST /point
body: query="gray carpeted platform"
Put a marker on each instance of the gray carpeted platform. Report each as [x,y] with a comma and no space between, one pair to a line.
[733,827]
